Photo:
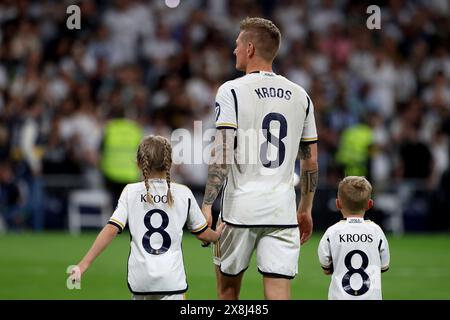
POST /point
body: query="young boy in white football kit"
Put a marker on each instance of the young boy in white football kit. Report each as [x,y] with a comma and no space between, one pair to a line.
[354,251]
[156,211]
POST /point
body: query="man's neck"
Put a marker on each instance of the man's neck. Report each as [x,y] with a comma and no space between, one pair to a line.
[258,66]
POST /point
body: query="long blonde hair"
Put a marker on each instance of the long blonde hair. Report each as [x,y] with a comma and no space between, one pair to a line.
[155,155]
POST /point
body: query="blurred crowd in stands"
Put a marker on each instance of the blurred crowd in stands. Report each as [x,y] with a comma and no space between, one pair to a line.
[381,97]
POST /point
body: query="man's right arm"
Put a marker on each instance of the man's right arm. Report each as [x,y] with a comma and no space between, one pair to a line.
[308,182]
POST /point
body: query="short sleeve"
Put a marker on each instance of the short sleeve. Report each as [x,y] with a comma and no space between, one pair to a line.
[120,215]
[324,253]
[226,108]
[383,248]
[196,222]
[309,134]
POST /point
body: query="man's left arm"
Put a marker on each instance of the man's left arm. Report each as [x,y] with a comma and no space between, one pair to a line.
[221,159]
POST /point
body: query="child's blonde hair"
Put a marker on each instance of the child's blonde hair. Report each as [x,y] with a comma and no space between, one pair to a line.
[155,154]
[354,193]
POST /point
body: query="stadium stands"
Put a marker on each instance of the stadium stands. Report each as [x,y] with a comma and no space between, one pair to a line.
[162,67]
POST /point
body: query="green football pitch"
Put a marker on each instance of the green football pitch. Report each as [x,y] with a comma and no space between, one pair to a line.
[33,266]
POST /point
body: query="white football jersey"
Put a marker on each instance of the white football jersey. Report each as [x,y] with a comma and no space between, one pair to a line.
[271,115]
[356,251]
[155,263]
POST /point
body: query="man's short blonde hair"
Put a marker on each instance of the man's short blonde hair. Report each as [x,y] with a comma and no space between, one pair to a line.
[265,36]
[354,193]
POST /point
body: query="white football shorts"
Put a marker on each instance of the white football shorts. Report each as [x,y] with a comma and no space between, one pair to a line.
[277,250]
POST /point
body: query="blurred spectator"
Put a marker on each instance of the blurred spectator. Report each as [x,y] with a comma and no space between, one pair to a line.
[441,153]
[32,151]
[340,116]
[121,138]
[412,148]
[127,22]
[381,76]
[11,202]
[60,155]
[353,152]
[438,93]
[380,150]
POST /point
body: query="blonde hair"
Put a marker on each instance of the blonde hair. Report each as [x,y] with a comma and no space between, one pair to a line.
[155,154]
[354,193]
[264,34]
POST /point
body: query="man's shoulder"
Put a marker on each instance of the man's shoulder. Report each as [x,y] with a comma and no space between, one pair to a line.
[233,83]
[244,80]
[294,87]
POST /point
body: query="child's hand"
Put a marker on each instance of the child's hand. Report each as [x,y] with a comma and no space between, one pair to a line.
[75,274]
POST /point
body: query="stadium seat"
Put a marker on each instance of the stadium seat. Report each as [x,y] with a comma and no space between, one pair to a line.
[98,200]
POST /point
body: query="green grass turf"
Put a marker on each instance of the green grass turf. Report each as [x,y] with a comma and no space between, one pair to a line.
[33,266]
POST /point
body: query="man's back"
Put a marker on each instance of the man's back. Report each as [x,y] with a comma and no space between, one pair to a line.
[271,115]
[356,252]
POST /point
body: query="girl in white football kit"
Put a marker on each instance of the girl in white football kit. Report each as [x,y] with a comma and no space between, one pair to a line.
[156,211]
[354,251]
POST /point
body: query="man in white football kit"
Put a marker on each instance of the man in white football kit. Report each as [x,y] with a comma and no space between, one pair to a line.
[355,251]
[156,211]
[263,121]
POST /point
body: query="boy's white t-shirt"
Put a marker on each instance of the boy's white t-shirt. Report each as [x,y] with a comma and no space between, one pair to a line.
[356,251]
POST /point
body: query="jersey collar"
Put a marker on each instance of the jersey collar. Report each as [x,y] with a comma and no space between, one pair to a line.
[264,73]
[354,220]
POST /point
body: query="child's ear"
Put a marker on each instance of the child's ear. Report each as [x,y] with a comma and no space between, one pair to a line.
[369,204]
[338,204]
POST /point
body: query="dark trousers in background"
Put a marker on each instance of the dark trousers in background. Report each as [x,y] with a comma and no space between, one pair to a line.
[115,189]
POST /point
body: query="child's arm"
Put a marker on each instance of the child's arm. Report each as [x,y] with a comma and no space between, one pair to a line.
[383,247]
[103,239]
[210,235]
[324,254]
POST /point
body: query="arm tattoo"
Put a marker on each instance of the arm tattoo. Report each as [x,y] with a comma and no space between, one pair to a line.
[304,151]
[217,172]
[308,181]
[216,177]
